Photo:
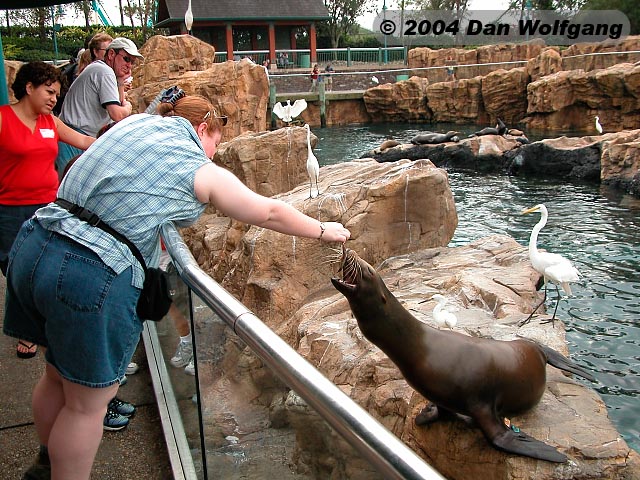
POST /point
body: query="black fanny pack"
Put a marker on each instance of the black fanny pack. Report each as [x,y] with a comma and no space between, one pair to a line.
[154,301]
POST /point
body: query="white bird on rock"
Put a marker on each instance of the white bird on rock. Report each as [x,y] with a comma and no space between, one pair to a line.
[313,168]
[375,80]
[598,126]
[288,112]
[442,317]
[551,266]
[188,18]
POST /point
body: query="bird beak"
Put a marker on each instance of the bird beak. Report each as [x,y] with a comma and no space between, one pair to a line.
[530,210]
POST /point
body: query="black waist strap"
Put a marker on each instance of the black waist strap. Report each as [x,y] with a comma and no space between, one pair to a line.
[95,221]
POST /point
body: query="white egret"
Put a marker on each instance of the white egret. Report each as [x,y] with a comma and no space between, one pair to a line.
[598,126]
[188,18]
[551,266]
[442,317]
[288,112]
[375,80]
[313,168]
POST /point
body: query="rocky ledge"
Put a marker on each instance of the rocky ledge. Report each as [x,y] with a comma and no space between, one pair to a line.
[612,158]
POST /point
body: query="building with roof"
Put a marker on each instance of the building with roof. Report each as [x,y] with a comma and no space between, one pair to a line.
[234,26]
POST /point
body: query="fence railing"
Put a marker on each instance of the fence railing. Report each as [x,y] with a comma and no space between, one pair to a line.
[301,58]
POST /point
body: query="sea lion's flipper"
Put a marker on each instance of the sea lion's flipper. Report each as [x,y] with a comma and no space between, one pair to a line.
[522,444]
[433,412]
[563,363]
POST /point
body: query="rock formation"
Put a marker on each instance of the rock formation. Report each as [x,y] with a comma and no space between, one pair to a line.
[371,199]
[239,90]
[11,67]
[620,162]
[404,101]
[571,99]
[612,158]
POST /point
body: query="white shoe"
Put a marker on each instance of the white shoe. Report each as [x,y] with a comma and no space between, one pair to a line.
[132,368]
[190,369]
[183,355]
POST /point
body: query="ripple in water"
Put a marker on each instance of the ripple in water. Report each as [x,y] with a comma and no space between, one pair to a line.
[595,228]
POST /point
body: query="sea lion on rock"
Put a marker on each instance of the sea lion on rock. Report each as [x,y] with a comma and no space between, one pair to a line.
[433,137]
[476,377]
[485,131]
[386,145]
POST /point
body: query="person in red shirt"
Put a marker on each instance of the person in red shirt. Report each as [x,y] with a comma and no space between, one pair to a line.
[28,148]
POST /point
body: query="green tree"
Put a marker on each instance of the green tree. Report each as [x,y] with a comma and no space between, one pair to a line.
[631,8]
[343,15]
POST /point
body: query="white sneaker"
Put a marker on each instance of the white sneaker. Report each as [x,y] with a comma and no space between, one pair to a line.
[190,369]
[183,355]
[132,368]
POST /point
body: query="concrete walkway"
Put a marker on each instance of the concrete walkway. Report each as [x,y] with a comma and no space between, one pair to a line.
[137,452]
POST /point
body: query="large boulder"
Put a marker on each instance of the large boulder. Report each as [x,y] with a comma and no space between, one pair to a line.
[563,157]
[239,90]
[504,94]
[272,273]
[169,57]
[459,101]
[549,61]
[621,162]
[11,67]
[403,101]
[269,162]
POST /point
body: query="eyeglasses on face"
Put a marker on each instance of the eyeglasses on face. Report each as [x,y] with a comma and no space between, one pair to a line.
[126,58]
[223,118]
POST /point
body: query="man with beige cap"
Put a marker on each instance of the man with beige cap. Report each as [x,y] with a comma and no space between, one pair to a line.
[96,97]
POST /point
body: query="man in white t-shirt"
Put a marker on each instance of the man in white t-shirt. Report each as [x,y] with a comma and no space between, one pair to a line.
[96,97]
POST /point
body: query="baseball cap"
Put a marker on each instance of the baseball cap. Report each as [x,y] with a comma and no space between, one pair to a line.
[121,43]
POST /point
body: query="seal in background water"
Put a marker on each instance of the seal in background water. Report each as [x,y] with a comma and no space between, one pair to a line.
[481,378]
[433,137]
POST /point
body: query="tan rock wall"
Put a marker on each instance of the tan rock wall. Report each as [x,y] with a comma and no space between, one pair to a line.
[239,90]
[273,273]
[168,58]
[11,67]
[571,99]
[404,101]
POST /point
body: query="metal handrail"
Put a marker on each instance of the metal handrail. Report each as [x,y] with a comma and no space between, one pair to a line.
[391,457]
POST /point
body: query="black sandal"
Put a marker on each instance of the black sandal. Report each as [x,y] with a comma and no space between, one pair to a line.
[32,350]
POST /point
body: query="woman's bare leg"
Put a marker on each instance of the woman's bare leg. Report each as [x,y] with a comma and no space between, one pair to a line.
[75,432]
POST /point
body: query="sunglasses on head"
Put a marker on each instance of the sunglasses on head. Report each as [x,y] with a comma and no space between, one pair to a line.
[223,118]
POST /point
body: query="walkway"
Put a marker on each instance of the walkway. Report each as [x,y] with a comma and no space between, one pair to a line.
[137,452]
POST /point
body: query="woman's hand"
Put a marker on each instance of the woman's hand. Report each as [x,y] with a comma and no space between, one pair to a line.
[333,232]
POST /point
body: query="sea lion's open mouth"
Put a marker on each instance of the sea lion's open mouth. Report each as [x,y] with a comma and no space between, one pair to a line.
[350,268]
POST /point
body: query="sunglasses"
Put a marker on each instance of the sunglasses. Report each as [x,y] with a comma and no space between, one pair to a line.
[223,118]
[126,58]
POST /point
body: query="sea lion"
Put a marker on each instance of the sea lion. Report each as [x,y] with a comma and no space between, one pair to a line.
[485,131]
[476,377]
[433,137]
[386,145]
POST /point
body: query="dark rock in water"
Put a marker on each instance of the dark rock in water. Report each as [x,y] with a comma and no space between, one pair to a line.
[561,157]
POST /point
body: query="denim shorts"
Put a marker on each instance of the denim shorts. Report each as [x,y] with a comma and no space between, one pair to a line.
[62,296]
[11,218]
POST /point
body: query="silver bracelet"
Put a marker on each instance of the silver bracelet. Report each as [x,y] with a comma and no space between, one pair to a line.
[322,229]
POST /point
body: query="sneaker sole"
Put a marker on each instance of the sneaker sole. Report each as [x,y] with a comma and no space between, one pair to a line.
[180,364]
[114,429]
